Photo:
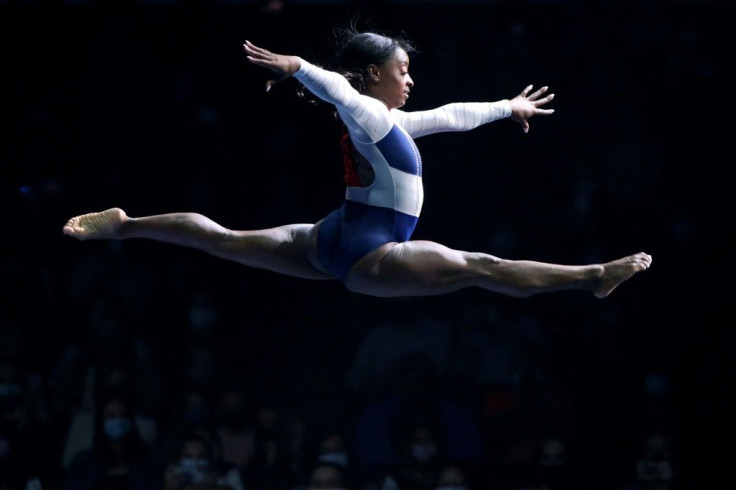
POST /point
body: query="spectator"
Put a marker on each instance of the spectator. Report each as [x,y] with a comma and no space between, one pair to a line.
[653,469]
[416,403]
[234,429]
[26,452]
[452,477]
[119,458]
[421,456]
[199,466]
[554,464]
[334,450]
[108,359]
[116,382]
[191,412]
[326,476]
[270,469]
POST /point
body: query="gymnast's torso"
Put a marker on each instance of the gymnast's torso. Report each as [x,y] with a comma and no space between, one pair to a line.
[387,207]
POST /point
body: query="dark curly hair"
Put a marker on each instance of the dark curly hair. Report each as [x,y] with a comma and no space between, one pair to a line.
[356,50]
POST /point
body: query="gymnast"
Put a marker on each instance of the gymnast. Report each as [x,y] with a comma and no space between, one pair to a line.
[366,242]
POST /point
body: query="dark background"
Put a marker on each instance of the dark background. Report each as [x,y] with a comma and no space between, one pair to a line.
[151,106]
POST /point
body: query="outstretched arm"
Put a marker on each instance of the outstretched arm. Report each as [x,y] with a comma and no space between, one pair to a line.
[464,116]
[327,85]
[283,66]
[367,118]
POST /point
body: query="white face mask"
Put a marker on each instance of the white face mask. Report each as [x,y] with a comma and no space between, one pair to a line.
[193,469]
[117,427]
[337,458]
[193,463]
[202,318]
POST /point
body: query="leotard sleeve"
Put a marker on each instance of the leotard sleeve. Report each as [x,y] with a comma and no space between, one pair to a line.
[367,119]
[458,116]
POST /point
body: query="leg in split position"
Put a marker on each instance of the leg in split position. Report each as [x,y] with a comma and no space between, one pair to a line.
[413,268]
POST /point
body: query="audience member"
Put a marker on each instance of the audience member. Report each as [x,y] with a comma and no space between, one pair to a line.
[199,467]
[191,412]
[115,382]
[554,467]
[383,427]
[333,449]
[452,477]
[233,428]
[421,455]
[326,476]
[119,458]
[270,468]
[653,466]
[27,451]
[108,359]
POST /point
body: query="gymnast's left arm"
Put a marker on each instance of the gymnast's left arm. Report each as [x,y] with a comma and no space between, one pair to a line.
[458,116]
[464,116]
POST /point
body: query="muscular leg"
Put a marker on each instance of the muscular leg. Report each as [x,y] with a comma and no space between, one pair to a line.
[419,268]
[287,249]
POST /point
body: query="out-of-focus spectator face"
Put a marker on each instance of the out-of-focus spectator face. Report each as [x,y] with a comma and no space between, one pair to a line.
[196,410]
[325,477]
[116,422]
[657,446]
[267,417]
[232,410]
[194,449]
[655,464]
[333,443]
[194,465]
[423,445]
[452,478]
[553,453]
[332,450]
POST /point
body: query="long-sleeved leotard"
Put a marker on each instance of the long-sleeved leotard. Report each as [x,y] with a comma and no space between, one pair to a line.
[386,209]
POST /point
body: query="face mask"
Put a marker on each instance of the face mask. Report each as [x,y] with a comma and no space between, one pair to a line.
[339,459]
[193,469]
[117,427]
[9,390]
[10,397]
[423,452]
[202,318]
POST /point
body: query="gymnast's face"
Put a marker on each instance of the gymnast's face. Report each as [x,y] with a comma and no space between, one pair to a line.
[390,82]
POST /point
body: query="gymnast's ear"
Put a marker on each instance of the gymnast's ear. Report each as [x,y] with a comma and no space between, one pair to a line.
[373,72]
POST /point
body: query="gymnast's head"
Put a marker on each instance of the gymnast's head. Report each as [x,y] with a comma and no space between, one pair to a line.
[377,65]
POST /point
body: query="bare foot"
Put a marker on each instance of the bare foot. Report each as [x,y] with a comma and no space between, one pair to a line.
[96,225]
[617,271]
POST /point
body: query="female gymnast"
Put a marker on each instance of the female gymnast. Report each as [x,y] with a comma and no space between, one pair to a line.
[366,242]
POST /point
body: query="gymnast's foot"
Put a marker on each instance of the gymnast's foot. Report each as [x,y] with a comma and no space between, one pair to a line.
[96,225]
[617,271]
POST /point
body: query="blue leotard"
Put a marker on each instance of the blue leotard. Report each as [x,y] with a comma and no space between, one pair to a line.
[387,209]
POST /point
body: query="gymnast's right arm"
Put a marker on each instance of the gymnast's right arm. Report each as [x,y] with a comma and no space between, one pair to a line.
[283,66]
[366,118]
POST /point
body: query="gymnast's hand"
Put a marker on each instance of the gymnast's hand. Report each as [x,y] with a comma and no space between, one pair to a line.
[282,65]
[524,106]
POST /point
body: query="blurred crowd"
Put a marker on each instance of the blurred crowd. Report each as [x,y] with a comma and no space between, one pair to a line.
[421,405]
